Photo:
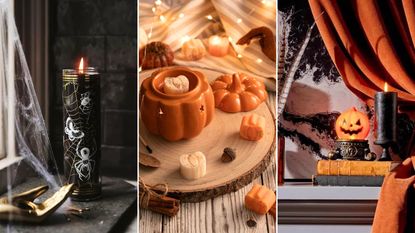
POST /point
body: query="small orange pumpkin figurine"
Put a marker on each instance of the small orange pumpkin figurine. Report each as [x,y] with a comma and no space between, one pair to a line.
[156,54]
[238,92]
[352,125]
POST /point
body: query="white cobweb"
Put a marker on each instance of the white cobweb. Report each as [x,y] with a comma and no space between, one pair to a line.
[23,133]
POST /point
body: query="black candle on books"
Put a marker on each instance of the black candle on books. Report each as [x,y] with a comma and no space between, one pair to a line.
[385,121]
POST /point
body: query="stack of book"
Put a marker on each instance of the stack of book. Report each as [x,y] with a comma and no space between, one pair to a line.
[352,173]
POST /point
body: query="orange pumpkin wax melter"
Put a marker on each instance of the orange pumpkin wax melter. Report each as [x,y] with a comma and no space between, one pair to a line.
[352,125]
[176,116]
[238,92]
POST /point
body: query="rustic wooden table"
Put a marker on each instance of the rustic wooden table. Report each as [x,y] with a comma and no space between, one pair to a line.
[225,213]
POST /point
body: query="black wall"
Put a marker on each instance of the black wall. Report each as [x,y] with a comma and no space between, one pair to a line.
[105,32]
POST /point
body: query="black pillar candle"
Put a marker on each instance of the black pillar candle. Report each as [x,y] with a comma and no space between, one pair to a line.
[81,138]
[385,121]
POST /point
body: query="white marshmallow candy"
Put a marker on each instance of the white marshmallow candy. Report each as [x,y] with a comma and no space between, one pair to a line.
[193,166]
[176,85]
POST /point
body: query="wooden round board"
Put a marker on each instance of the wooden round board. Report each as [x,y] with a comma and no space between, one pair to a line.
[252,158]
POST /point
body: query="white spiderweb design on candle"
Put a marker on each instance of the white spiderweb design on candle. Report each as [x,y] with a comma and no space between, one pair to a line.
[79,147]
[86,102]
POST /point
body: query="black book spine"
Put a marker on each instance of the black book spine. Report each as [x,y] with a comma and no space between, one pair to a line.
[374,181]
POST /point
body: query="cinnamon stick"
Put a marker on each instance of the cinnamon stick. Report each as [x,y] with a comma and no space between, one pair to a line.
[160,203]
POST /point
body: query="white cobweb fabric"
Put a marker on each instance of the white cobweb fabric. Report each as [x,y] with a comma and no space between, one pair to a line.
[19,106]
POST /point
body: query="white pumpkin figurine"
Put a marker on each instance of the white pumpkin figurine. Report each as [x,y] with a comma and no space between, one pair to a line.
[193,49]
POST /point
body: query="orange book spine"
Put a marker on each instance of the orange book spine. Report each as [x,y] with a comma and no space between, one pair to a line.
[354,168]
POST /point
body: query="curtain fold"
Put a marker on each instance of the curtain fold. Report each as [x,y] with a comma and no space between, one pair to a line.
[394,210]
[370,42]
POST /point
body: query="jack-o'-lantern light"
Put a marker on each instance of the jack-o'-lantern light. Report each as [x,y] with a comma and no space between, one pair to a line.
[352,127]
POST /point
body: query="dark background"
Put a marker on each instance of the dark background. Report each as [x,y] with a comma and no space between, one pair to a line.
[104,32]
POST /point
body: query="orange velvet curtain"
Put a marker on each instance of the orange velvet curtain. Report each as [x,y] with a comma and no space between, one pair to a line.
[371,42]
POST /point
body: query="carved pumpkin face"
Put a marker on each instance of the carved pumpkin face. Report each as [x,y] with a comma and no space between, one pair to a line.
[352,124]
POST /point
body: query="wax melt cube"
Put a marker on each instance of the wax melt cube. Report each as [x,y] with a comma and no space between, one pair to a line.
[176,85]
[260,199]
[252,127]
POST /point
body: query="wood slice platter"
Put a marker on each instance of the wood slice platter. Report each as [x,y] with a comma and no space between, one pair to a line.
[252,158]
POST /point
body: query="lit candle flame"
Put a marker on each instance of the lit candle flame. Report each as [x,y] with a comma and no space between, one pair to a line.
[215,40]
[267,3]
[385,87]
[184,39]
[81,65]
[162,18]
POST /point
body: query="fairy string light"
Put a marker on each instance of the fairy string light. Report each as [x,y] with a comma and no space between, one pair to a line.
[236,47]
[155,9]
[159,16]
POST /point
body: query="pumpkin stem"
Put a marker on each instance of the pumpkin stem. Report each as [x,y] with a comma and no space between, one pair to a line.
[236,85]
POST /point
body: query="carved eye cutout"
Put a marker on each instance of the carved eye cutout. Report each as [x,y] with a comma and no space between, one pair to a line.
[202,108]
[358,122]
[344,122]
[161,112]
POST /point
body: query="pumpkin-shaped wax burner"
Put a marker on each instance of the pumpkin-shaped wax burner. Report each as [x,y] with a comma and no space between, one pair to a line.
[238,92]
[193,49]
[176,116]
[352,125]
